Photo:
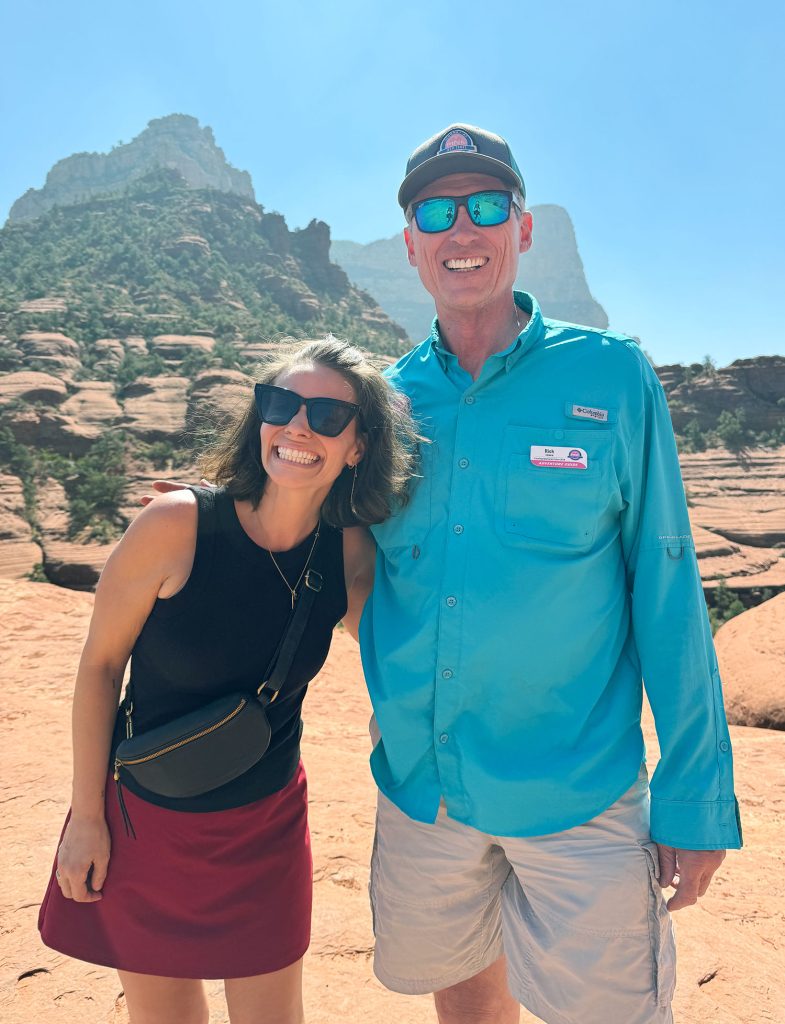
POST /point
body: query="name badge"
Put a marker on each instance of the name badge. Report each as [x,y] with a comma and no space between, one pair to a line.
[558,458]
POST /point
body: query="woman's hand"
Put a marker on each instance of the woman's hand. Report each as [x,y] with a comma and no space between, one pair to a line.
[83,859]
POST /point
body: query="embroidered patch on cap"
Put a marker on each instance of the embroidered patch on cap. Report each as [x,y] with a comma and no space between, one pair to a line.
[457,141]
[586,412]
[558,457]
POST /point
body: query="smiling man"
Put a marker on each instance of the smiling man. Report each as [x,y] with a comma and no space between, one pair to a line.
[543,569]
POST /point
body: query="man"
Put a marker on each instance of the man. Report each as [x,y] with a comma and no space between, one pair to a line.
[543,567]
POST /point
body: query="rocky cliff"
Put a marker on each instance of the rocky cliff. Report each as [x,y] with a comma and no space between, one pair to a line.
[753,390]
[176,142]
[552,271]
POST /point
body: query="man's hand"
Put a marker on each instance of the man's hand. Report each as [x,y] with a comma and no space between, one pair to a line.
[689,872]
[165,486]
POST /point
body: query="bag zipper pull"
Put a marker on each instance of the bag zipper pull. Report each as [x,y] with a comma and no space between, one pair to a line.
[129,825]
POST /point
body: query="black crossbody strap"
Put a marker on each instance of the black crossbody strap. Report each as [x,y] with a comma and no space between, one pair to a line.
[281,662]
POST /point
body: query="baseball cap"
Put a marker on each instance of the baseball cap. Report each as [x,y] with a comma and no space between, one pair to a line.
[461,147]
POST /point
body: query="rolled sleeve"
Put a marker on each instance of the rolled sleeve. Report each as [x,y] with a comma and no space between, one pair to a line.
[693,803]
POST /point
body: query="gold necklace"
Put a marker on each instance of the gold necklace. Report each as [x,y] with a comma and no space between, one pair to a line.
[293,589]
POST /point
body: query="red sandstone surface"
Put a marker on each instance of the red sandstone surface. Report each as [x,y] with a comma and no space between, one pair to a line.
[731,946]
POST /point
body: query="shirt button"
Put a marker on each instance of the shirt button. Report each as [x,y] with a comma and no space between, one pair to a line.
[451,602]
[724,746]
[558,434]
[463,463]
[415,552]
[470,399]
[457,528]
[444,738]
[447,673]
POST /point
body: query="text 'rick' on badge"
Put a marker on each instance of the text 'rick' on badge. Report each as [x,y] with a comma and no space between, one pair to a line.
[558,457]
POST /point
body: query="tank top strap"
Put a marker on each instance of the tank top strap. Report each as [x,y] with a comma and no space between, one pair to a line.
[205,536]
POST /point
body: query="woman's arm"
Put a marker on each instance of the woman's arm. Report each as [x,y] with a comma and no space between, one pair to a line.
[359,560]
[152,560]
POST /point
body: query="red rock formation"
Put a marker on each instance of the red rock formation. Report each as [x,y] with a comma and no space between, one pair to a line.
[751,651]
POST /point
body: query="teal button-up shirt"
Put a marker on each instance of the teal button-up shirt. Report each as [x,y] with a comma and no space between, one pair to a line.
[543,568]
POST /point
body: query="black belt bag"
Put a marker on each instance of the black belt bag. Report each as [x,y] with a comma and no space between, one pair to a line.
[209,747]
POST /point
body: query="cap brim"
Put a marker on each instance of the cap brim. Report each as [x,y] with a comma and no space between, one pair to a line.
[454,163]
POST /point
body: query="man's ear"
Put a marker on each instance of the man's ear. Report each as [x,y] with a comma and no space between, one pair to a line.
[526,231]
[407,237]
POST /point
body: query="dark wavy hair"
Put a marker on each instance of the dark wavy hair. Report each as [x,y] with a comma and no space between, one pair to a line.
[385,424]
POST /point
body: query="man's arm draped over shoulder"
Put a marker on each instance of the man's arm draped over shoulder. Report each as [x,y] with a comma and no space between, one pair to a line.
[693,805]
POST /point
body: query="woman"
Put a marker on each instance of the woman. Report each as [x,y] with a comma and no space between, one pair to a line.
[198,594]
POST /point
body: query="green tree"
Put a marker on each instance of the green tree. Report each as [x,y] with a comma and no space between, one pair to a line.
[731,430]
[723,605]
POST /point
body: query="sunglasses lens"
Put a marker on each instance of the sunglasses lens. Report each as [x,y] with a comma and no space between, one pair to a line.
[328,418]
[275,405]
[489,208]
[435,215]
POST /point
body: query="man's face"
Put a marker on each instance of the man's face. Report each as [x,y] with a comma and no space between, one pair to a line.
[493,250]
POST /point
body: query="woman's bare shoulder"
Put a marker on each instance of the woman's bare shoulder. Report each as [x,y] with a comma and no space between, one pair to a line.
[164,531]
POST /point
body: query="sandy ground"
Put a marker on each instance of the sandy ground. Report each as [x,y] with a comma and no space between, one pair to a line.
[731,946]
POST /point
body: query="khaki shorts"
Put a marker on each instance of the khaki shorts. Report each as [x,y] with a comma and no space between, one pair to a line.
[578,914]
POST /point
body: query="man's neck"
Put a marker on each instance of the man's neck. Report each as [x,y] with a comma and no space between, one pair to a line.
[474,335]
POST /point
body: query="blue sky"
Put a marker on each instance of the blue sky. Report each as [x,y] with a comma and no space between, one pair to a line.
[660,127]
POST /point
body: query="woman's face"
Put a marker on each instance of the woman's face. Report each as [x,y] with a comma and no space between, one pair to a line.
[294,455]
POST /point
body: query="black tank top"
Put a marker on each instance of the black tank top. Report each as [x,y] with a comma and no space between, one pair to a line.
[218,634]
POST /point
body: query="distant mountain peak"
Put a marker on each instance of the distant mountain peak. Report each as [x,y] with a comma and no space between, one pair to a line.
[552,271]
[177,142]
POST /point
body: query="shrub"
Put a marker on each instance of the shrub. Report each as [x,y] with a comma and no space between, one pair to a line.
[731,430]
[723,605]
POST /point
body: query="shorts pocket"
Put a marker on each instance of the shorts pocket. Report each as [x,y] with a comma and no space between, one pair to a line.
[663,946]
[549,507]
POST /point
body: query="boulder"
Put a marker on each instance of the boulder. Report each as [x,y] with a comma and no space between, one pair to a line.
[175,347]
[50,351]
[155,408]
[215,397]
[31,386]
[751,652]
[66,435]
[93,404]
[75,566]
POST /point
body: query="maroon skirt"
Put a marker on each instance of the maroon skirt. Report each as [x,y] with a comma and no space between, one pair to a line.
[222,894]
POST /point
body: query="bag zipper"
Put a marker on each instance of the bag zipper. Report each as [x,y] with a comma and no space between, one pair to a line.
[118,764]
[183,742]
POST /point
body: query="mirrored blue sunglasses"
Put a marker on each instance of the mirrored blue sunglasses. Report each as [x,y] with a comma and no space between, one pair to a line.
[486,209]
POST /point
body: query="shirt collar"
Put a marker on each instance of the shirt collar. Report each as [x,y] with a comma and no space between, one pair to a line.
[526,340]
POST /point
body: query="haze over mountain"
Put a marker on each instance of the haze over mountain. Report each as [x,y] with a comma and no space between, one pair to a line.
[552,271]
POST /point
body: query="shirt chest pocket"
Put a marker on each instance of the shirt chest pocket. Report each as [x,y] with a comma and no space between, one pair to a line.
[552,487]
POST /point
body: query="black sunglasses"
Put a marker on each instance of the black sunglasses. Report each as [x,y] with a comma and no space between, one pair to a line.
[326,416]
[486,209]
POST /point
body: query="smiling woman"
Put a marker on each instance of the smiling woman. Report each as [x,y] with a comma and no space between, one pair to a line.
[365,491]
[203,592]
